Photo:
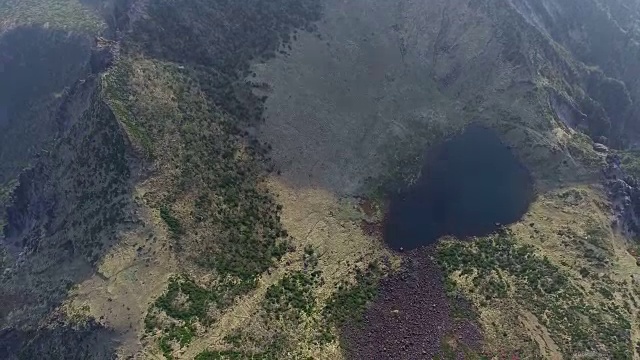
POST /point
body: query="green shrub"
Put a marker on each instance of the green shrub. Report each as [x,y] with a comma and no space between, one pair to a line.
[350,301]
[172,222]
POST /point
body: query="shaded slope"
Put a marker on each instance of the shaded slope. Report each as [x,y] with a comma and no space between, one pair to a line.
[603,34]
[365,97]
[64,210]
[67,208]
[38,67]
[59,341]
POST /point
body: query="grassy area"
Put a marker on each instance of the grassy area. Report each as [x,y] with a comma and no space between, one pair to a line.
[630,161]
[245,346]
[182,335]
[189,120]
[69,15]
[292,296]
[213,172]
[186,304]
[497,269]
[350,300]
[198,299]
[293,317]
[118,93]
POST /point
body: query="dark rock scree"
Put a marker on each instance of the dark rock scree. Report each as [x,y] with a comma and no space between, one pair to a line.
[411,318]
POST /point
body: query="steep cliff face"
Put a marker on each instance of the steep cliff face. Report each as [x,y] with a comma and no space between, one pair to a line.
[65,179]
[602,34]
[44,49]
[207,179]
[66,212]
[37,68]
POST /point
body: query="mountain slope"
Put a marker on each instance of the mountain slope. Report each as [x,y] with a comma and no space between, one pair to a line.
[210,179]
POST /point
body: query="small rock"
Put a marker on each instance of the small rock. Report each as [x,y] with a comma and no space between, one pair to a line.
[601,148]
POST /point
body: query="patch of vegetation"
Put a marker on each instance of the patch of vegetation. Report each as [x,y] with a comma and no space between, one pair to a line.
[59,14]
[287,304]
[173,224]
[182,335]
[185,304]
[250,235]
[118,93]
[292,296]
[350,301]
[238,222]
[197,300]
[630,162]
[498,267]
[310,257]
[581,147]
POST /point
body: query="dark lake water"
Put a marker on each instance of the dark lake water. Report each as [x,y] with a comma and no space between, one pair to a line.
[468,184]
[4,117]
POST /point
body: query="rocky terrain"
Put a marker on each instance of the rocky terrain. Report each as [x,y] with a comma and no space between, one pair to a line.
[413,318]
[210,179]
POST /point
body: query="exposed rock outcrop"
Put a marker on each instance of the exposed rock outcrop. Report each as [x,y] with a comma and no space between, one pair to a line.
[624,194]
[103,55]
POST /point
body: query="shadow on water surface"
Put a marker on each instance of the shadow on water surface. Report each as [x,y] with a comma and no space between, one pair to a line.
[468,184]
